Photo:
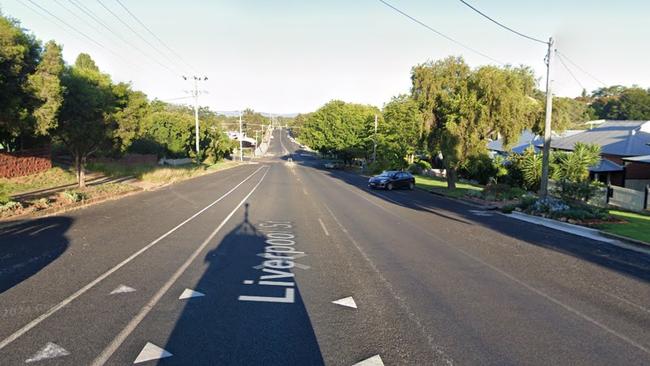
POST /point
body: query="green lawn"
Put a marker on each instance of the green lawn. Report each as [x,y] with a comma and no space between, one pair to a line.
[47,179]
[637,226]
[157,173]
[439,185]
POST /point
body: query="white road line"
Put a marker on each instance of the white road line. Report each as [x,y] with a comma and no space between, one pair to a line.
[122,289]
[400,300]
[188,294]
[151,352]
[94,282]
[121,337]
[524,284]
[323,226]
[43,229]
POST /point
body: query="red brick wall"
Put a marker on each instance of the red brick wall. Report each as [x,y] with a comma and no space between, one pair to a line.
[24,162]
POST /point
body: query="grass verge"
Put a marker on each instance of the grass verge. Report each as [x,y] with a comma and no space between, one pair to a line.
[438,185]
[53,177]
[158,174]
[636,226]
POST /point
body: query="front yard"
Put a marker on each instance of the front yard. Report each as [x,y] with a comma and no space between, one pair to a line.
[439,185]
[637,226]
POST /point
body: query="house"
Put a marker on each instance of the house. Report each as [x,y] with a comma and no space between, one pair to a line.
[620,141]
[526,139]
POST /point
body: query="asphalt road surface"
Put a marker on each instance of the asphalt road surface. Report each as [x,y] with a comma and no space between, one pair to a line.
[282,263]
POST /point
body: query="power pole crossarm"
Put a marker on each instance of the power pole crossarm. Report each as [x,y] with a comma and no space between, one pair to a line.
[543,191]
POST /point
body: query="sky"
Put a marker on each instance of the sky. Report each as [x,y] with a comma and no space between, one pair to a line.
[290,56]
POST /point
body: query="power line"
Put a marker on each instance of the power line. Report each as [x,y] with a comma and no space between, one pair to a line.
[502,25]
[580,68]
[135,32]
[154,35]
[440,33]
[94,17]
[569,71]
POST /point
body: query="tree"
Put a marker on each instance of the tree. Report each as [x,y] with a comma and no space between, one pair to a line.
[132,107]
[621,103]
[340,128]
[85,117]
[462,108]
[401,129]
[45,83]
[19,55]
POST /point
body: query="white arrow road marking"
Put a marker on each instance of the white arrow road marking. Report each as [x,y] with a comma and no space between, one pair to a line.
[51,350]
[151,352]
[188,294]
[372,361]
[347,301]
[121,289]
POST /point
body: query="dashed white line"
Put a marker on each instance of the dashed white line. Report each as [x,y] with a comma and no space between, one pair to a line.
[323,226]
[130,327]
[122,289]
[43,229]
[17,334]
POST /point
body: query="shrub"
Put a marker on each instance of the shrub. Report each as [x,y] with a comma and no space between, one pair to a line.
[74,196]
[480,168]
[10,206]
[577,191]
[419,166]
[41,204]
[502,192]
[4,194]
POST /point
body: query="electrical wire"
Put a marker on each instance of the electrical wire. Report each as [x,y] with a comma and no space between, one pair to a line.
[502,25]
[440,33]
[94,17]
[580,68]
[569,70]
[155,36]
[136,33]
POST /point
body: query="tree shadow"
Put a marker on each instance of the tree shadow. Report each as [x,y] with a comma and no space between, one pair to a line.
[627,262]
[29,246]
[221,329]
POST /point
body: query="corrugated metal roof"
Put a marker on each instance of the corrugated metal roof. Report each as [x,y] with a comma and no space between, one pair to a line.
[639,159]
[621,138]
[606,166]
[526,139]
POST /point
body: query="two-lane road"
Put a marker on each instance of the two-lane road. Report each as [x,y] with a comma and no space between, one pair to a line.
[281,263]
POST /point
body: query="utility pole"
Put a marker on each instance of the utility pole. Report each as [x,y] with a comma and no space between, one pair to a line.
[241,142]
[195,93]
[543,190]
[374,148]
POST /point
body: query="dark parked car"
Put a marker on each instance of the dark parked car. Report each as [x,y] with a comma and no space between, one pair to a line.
[392,180]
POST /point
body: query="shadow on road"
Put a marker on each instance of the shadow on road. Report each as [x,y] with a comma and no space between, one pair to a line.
[28,247]
[627,262]
[219,329]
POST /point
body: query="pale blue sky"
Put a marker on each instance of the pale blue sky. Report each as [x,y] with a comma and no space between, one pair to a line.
[293,56]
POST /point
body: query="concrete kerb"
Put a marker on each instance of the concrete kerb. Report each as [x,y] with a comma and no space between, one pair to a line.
[584,232]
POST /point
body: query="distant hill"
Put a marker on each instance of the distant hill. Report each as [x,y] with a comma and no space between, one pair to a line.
[265,114]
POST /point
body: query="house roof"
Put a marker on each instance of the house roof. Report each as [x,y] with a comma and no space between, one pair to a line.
[606,166]
[639,159]
[620,138]
[526,139]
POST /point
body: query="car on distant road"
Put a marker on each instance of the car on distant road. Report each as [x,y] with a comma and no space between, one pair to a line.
[333,164]
[391,179]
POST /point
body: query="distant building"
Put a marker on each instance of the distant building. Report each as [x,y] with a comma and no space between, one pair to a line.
[246,141]
[621,143]
[526,140]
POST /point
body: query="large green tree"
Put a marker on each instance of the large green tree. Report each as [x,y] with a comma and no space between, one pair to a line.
[463,108]
[340,128]
[621,103]
[132,107]
[19,56]
[401,130]
[45,83]
[85,122]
